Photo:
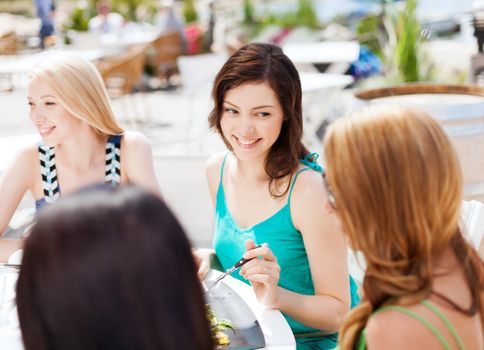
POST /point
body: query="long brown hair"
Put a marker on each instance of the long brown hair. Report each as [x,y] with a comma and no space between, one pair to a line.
[398,189]
[259,62]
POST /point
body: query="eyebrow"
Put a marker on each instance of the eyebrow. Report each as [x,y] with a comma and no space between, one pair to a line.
[43,96]
[258,107]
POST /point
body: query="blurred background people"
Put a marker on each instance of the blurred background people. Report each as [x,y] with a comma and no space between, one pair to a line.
[106,21]
[46,12]
[110,268]
[167,21]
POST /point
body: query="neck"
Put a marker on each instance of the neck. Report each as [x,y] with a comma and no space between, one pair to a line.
[83,150]
[253,170]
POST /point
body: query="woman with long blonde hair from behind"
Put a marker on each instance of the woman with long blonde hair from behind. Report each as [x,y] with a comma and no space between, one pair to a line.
[395,186]
[81,141]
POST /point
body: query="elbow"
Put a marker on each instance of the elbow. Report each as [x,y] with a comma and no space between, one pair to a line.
[341,311]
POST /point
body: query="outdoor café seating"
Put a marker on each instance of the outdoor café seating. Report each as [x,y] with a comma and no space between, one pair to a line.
[8,42]
[120,75]
[162,56]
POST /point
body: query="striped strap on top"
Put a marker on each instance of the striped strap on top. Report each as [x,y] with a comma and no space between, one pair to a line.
[113,161]
[48,169]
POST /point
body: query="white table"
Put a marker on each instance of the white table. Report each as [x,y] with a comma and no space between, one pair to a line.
[276,330]
[319,93]
[321,52]
[128,38]
[10,337]
[20,65]
[323,81]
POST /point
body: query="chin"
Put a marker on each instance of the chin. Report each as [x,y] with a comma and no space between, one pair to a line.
[49,142]
[247,155]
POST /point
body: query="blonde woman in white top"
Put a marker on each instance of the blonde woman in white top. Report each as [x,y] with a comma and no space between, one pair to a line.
[82,143]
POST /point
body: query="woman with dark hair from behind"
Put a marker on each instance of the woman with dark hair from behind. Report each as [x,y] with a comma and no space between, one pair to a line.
[98,272]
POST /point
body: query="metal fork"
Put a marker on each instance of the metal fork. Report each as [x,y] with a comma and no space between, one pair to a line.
[237,265]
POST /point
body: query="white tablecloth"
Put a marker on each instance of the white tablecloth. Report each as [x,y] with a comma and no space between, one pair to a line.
[322,52]
[10,338]
[276,330]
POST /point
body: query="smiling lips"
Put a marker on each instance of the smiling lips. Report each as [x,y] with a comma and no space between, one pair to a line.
[46,131]
[246,143]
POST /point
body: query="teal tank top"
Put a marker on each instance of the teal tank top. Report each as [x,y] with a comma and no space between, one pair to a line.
[287,244]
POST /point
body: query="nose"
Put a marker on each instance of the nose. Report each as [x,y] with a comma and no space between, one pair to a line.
[36,115]
[247,125]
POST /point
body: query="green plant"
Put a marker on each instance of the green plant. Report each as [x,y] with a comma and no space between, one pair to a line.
[408,43]
[78,19]
[369,34]
[248,12]
[306,14]
[395,36]
[189,11]
[129,8]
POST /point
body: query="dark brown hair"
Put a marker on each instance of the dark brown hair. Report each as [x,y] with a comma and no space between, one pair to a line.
[110,269]
[257,62]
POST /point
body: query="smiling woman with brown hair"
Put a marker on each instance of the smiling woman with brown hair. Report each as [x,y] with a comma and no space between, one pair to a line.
[268,189]
[395,186]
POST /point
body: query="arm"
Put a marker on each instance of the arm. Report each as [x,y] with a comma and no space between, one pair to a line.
[326,249]
[138,160]
[15,181]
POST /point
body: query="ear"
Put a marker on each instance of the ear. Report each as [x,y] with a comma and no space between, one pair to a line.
[328,207]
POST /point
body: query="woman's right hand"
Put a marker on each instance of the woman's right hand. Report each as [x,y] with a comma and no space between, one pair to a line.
[263,272]
[203,258]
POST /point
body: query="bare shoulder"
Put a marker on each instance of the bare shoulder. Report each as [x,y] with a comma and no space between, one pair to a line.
[309,187]
[135,140]
[395,330]
[308,201]
[212,166]
[27,156]
[135,148]
[212,171]
[22,169]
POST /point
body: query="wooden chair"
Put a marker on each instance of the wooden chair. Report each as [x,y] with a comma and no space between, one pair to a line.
[164,52]
[120,75]
[8,46]
[8,43]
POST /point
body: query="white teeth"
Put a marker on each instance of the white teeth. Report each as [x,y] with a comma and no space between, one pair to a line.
[45,130]
[247,142]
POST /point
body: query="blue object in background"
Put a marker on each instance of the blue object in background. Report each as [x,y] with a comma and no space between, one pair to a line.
[368,64]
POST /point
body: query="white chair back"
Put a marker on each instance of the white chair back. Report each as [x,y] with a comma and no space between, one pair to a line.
[185,190]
